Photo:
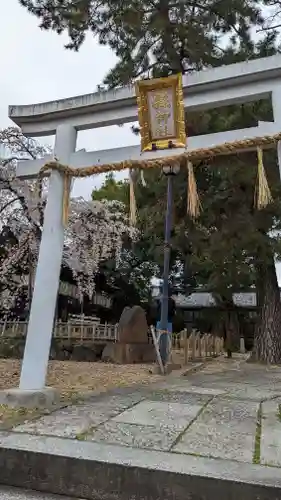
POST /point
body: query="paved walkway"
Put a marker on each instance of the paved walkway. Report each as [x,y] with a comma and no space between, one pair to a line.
[229,410]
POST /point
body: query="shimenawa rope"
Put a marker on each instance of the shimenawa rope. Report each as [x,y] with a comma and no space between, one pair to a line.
[188,156]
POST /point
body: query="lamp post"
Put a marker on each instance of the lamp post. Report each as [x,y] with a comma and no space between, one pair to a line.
[169,171]
[162,126]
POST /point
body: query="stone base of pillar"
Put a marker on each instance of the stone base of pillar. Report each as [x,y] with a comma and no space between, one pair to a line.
[40,398]
[124,353]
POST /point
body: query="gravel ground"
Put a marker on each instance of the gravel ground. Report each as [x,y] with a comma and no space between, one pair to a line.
[77,377]
[73,379]
[71,376]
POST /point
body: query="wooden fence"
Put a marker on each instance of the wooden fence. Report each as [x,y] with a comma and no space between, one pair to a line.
[82,331]
[197,346]
[186,347]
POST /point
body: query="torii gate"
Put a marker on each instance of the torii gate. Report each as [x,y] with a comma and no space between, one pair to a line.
[236,83]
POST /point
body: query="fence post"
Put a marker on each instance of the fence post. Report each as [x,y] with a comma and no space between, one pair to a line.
[206,345]
[216,345]
[69,326]
[202,346]
[199,346]
[4,325]
[193,345]
[186,344]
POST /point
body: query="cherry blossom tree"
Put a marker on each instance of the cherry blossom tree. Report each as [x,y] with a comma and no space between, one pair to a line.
[21,215]
[95,231]
[95,234]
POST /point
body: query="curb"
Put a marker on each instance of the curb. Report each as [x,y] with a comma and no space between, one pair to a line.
[94,471]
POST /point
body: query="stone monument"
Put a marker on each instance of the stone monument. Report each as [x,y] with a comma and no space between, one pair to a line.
[132,327]
[132,345]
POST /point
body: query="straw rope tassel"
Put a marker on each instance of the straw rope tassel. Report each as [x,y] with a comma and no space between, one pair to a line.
[194,206]
[143,179]
[263,193]
[66,198]
[133,207]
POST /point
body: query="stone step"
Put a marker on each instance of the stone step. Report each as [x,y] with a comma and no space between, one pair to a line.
[91,470]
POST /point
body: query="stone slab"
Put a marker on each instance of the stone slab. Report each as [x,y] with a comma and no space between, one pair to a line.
[249,392]
[180,397]
[266,379]
[235,385]
[186,388]
[160,414]
[271,433]
[76,420]
[19,494]
[240,389]
[225,429]
[137,436]
[100,471]
[226,411]
[43,398]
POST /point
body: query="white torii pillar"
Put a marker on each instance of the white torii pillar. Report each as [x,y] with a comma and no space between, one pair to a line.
[64,119]
[40,326]
[32,389]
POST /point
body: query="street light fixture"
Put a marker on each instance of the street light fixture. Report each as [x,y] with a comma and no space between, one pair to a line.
[169,171]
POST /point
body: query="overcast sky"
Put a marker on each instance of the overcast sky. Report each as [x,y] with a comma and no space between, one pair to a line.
[35,67]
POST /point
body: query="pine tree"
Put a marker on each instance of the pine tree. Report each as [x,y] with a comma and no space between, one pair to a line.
[153,38]
[112,190]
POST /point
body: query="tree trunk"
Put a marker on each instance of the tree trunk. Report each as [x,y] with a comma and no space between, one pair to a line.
[267,341]
[232,336]
[228,322]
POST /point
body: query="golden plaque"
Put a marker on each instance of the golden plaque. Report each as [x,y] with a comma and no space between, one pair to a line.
[161,113]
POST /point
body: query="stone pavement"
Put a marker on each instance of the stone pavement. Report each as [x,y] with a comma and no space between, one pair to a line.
[229,410]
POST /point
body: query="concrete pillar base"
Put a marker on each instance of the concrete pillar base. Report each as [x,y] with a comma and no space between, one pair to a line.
[40,398]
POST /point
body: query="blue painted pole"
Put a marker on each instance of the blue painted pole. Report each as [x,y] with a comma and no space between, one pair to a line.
[163,343]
